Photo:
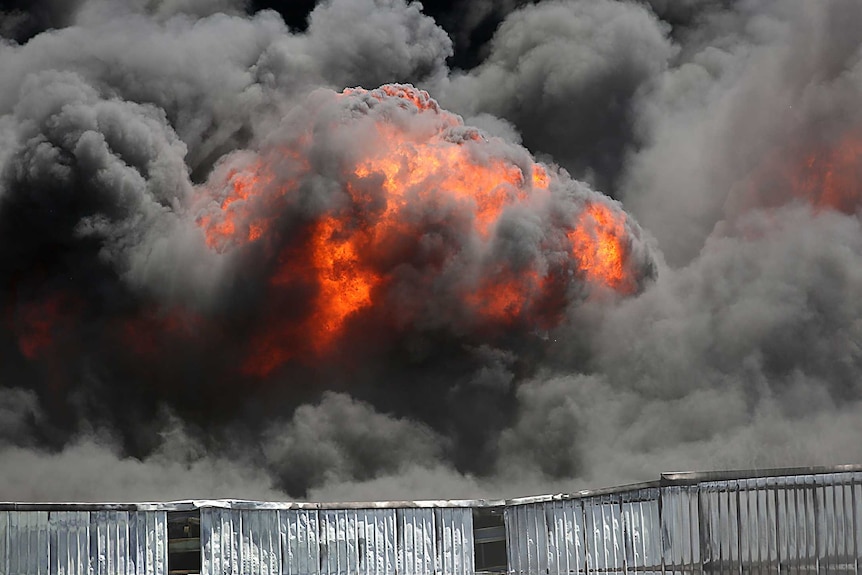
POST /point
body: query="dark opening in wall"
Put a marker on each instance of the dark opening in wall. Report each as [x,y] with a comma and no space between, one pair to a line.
[184,542]
[489,536]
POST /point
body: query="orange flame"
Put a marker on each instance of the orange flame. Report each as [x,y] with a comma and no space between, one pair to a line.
[505,297]
[598,244]
[345,284]
[407,181]
[251,200]
[436,171]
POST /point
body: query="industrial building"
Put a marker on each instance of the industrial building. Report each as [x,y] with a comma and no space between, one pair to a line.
[795,521]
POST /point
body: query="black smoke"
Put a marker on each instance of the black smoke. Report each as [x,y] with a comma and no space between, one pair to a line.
[124,334]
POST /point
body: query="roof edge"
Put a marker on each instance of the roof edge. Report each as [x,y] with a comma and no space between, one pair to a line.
[666,479]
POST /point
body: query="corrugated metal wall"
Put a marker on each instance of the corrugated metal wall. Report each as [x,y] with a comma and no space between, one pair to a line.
[413,541]
[799,524]
[611,533]
[794,524]
[83,543]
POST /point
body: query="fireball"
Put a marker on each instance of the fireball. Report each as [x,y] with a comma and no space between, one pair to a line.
[382,209]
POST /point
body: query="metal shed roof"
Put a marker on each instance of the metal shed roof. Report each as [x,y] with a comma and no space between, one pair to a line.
[666,479]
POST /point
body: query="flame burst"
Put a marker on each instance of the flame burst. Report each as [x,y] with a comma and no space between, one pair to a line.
[599,247]
[423,198]
[345,286]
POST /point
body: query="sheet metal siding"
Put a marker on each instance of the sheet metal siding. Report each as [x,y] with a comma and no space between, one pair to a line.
[83,543]
[337,541]
[794,525]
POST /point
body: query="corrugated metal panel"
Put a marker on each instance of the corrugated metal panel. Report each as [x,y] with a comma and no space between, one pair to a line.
[299,531]
[604,534]
[416,542]
[109,542]
[220,541]
[719,541]
[794,525]
[339,548]
[83,543]
[856,502]
[69,542]
[567,551]
[642,531]
[4,544]
[27,543]
[680,532]
[434,541]
[454,541]
[524,536]
[260,542]
[148,539]
[546,538]
[336,541]
[357,541]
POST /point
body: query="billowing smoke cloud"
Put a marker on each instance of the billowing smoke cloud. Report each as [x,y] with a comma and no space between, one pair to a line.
[565,74]
[242,261]
[766,84]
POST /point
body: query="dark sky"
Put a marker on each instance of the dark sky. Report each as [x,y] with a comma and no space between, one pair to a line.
[294,12]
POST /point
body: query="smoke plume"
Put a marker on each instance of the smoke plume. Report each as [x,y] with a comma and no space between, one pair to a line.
[242,260]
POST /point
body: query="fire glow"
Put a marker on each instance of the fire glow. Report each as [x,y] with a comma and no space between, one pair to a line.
[826,175]
[832,178]
[417,222]
[405,187]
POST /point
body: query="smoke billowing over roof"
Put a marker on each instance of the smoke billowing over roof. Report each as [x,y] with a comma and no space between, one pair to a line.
[380,256]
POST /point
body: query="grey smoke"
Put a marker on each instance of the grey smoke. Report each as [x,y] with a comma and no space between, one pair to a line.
[341,439]
[749,357]
[745,350]
[752,81]
[348,47]
[565,74]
